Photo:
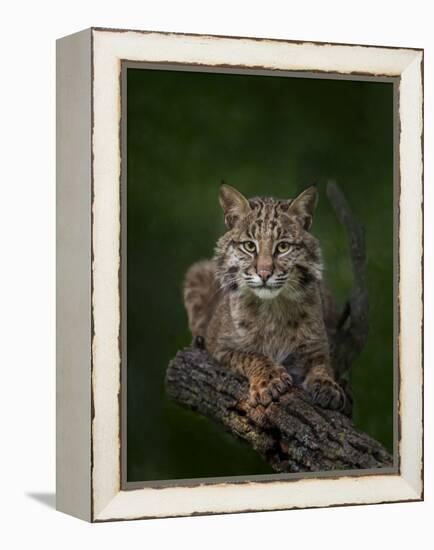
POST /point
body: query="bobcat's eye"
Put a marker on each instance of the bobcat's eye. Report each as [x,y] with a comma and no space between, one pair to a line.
[282,247]
[249,246]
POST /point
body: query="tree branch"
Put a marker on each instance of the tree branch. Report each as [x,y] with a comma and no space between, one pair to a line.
[291,435]
[351,331]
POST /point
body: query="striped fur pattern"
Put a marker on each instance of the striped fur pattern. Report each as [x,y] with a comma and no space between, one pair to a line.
[258,304]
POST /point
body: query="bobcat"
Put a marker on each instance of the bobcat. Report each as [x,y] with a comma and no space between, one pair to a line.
[258,304]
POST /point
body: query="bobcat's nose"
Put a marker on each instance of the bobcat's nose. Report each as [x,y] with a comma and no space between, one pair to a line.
[265,274]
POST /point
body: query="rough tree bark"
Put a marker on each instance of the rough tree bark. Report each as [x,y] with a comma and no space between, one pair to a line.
[292,435]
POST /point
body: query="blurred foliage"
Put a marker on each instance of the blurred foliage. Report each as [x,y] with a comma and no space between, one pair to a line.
[187,131]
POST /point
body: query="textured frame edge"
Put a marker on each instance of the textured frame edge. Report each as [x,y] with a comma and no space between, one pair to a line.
[73,275]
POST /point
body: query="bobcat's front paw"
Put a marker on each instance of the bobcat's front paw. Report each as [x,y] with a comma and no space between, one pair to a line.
[326,393]
[268,386]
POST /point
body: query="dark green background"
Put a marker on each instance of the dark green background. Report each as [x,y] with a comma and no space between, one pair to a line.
[266,136]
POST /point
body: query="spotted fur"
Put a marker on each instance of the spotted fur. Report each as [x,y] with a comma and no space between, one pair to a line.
[258,304]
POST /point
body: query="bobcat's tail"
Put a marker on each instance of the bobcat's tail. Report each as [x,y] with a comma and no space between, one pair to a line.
[200,294]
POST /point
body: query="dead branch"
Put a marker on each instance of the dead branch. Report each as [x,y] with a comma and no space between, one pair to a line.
[351,331]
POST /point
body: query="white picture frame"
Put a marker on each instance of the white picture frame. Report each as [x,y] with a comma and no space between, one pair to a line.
[89,393]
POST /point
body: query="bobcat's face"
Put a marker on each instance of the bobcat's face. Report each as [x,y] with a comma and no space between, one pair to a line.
[268,249]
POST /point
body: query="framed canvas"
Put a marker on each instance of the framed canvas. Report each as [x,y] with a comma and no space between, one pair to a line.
[239,274]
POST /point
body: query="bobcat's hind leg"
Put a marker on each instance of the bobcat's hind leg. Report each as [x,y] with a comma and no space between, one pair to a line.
[200,294]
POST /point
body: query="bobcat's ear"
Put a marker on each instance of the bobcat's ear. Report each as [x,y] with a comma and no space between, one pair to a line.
[235,205]
[304,205]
